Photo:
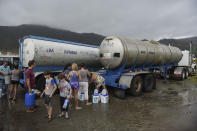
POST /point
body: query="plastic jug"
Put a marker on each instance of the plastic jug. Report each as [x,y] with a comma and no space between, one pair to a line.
[7,79]
[104,92]
[81,96]
[95,98]
[104,98]
[65,104]
[30,99]
[95,91]
[0,93]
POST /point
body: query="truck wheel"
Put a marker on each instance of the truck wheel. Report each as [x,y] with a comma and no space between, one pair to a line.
[119,93]
[186,74]
[183,74]
[149,83]
[136,86]
[154,82]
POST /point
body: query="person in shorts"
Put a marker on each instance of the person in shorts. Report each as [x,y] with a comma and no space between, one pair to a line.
[74,83]
[65,94]
[83,82]
[14,82]
[49,90]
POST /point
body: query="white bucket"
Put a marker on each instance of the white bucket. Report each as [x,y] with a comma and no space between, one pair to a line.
[104,98]
[7,79]
[81,96]
[95,98]
[0,93]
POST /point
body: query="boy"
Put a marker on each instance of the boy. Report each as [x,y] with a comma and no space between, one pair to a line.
[49,90]
[65,93]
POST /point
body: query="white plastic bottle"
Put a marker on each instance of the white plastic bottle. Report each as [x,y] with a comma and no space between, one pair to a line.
[95,91]
[104,92]
[65,104]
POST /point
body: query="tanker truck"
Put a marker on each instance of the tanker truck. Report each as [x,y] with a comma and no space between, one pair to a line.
[130,65]
[51,54]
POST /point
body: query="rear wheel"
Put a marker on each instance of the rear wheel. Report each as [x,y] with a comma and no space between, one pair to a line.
[186,74]
[183,74]
[149,83]
[119,93]
[136,86]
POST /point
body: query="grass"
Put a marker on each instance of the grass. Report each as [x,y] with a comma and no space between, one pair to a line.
[193,79]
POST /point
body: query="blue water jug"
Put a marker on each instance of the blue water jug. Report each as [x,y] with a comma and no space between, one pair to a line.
[29,99]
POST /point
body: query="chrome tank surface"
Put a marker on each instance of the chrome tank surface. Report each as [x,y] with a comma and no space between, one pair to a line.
[114,51]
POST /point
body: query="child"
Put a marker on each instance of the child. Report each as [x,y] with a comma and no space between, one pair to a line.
[50,88]
[65,93]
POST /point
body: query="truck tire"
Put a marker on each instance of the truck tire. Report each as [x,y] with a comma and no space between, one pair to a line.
[149,83]
[183,74]
[136,86]
[119,93]
[186,74]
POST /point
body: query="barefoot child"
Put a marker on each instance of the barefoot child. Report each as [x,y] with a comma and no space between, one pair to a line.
[50,88]
[65,93]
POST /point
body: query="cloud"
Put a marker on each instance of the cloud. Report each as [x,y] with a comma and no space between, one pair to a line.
[151,19]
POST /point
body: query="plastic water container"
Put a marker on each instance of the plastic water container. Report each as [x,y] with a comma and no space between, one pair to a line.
[81,96]
[95,91]
[104,92]
[29,99]
[7,79]
[104,98]
[0,93]
[95,98]
[65,104]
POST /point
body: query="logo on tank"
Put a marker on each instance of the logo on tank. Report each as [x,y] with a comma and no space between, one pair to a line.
[70,52]
[50,50]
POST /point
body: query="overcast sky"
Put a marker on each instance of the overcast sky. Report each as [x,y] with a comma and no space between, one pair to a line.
[139,19]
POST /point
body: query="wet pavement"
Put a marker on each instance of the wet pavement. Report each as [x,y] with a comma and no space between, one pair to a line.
[171,107]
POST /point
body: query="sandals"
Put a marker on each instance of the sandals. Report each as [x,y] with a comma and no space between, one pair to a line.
[14,99]
[10,98]
[61,115]
[66,117]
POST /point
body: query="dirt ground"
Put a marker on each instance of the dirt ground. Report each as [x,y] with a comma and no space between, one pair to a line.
[171,107]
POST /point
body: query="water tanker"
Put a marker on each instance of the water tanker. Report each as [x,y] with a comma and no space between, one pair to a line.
[131,65]
[114,51]
[51,54]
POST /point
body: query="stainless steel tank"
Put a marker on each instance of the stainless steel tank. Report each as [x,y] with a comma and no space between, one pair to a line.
[58,53]
[114,51]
